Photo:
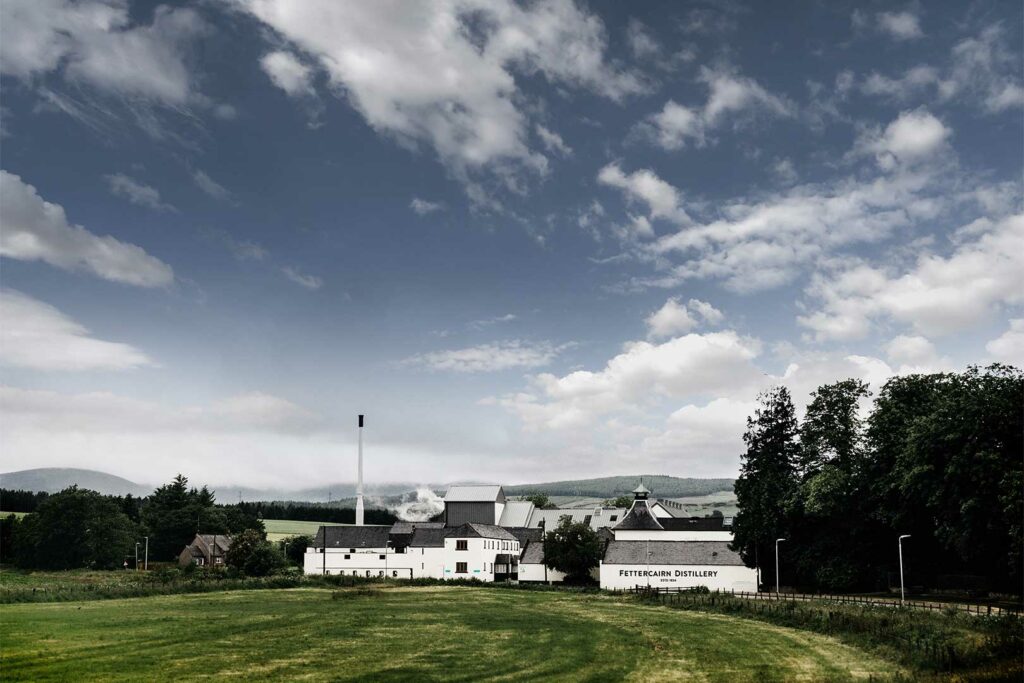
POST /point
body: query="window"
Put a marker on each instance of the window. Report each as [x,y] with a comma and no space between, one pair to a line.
[351,550]
[380,557]
[462,545]
[348,557]
[461,568]
[614,517]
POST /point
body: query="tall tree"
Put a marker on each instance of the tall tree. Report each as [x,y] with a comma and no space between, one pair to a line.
[832,430]
[767,481]
[574,549]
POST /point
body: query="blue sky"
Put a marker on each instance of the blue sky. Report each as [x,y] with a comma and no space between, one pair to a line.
[529,241]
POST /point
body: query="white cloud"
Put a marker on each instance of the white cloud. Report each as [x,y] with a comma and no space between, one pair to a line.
[489,357]
[675,318]
[298,277]
[444,74]
[36,230]
[423,207]
[553,142]
[96,43]
[900,25]
[136,192]
[641,42]
[981,70]
[661,198]
[1009,347]
[36,335]
[913,353]
[913,136]
[704,436]
[690,366]
[937,296]
[288,73]
[728,94]
[210,186]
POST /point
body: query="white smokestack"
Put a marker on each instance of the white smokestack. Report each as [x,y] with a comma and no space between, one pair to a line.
[359,483]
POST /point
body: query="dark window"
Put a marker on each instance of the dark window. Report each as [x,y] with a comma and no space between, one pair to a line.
[462,545]
[614,517]
[348,557]
[351,550]
[381,557]
[461,568]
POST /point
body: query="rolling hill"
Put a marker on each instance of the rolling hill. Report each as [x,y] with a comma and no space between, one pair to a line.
[53,479]
[661,486]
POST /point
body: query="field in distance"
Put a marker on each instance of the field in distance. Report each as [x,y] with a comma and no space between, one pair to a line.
[280,529]
[405,633]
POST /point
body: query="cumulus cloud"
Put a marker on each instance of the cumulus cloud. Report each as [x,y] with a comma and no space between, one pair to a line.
[493,357]
[911,137]
[688,366]
[444,75]
[728,94]
[1009,346]
[900,25]
[288,73]
[675,317]
[981,70]
[938,295]
[136,192]
[36,230]
[553,142]
[38,336]
[422,207]
[661,198]
[96,43]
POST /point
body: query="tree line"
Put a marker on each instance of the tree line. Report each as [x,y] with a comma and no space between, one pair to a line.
[939,457]
[316,513]
[82,528]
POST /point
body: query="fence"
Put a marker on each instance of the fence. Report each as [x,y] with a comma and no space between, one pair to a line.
[970,608]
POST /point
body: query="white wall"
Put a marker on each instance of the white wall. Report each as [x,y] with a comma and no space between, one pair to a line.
[479,557]
[536,572]
[655,535]
[414,563]
[715,577]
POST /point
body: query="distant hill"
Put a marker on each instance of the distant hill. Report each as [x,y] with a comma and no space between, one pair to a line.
[609,487]
[54,479]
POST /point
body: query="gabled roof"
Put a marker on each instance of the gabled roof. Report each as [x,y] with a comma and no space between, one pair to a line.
[526,535]
[428,537]
[692,523]
[223,542]
[475,530]
[639,518]
[353,536]
[486,493]
[516,513]
[671,552]
[533,554]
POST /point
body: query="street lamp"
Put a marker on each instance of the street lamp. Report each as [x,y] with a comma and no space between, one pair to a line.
[903,595]
[137,544]
[145,565]
[778,589]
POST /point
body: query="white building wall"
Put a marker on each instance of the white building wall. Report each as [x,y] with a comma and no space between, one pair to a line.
[536,572]
[655,535]
[478,556]
[715,577]
[414,563]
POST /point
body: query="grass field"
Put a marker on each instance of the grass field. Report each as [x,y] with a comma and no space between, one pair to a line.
[400,634]
[280,529]
[19,515]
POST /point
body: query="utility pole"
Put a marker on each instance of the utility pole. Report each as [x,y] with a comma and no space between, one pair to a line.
[903,595]
[146,565]
[778,583]
[359,483]
[137,555]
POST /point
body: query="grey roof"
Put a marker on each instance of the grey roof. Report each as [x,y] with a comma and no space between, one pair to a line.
[516,513]
[639,518]
[671,552]
[525,535]
[353,536]
[692,523]
[596,517]
[489,493]
[223,542]
[505,558]
[533,554]
[475,530]
[641,489]
[402,527]
[428,537]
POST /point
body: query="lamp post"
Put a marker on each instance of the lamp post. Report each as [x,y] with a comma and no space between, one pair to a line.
[145,565]
[137,544]
[903,595]
[778,590]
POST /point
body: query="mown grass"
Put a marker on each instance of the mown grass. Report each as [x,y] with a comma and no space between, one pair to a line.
[280,529]
[434,633]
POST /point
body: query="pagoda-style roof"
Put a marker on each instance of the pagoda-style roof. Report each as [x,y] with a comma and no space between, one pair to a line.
[639,518]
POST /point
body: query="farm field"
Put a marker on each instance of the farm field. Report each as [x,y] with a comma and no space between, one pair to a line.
[280,529]
[19,515]
[406,633]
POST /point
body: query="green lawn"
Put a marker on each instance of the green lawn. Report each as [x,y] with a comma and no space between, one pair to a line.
[280,529]
[404,634]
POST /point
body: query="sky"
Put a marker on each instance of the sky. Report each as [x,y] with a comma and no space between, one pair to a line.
[530,241]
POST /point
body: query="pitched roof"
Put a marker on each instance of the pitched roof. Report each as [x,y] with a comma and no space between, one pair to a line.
[516,513]
[533,554]
[596,517]
[223,542]
[639,518]
[671,552]
[353,536]
[488,493]
[428,537]
[525,535]
[692,523]
[475,530]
